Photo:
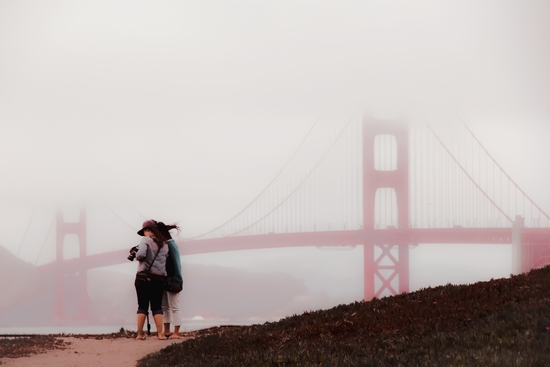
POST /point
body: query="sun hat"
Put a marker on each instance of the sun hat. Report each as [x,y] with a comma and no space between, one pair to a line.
[149,223]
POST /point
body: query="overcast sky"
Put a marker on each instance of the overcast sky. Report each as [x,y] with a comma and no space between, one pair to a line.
[187,109]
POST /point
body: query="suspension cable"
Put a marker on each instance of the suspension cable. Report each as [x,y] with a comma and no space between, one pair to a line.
[26,232]
[466,173]
[44,243]
[300,184]
[502,170]
[122,220]
[268,185]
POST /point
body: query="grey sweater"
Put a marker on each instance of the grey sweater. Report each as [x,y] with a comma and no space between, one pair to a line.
[147,249]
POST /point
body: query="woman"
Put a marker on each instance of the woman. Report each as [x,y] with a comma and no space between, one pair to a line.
[150,278]
[171,299]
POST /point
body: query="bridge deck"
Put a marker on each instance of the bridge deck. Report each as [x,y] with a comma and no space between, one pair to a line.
[531,236]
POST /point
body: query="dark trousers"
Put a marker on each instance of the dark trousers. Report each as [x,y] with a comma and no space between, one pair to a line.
[149,292]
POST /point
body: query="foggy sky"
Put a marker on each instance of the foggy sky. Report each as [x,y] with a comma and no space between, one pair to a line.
[186,110]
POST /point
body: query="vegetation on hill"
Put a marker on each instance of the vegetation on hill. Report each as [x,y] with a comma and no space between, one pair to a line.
[503,322]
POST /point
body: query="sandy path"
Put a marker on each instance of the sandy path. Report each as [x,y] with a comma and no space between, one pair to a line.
[118,352]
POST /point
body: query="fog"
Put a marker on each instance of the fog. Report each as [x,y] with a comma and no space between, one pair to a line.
[185,111]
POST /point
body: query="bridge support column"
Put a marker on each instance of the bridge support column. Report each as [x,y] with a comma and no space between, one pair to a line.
[403,268]
[71,293]
[368,266]
[518,255]
[390,176]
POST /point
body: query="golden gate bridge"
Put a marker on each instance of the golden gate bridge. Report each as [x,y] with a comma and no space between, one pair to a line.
[383,185]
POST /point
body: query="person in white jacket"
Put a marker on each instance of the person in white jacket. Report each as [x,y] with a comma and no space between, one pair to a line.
[171,308]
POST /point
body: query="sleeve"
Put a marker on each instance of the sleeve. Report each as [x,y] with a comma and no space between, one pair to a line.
[142,249]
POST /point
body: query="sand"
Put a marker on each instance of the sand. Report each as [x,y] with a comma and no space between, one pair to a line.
[90,352]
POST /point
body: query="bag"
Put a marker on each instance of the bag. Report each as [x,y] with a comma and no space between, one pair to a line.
[172,287]
[160,278]
[142,276]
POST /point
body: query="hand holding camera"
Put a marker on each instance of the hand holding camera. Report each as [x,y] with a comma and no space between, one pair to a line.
[133,252]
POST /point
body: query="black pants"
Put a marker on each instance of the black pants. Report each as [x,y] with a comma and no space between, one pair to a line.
[149,292]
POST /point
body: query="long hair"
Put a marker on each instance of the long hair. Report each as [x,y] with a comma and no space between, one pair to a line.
[164,230]
[157,236]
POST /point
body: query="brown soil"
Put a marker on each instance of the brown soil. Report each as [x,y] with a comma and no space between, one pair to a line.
[116,350]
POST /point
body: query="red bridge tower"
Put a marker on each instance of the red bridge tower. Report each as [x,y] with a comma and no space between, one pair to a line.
[384,267]
[71,293]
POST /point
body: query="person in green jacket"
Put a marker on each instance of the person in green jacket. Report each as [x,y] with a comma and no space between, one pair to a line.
[171,309]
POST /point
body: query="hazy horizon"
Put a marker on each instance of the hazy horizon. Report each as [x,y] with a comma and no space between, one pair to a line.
[185,111]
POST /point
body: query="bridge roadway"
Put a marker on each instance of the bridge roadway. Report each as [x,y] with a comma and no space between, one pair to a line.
[391,236]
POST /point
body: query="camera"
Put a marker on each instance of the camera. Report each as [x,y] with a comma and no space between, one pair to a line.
[132,255]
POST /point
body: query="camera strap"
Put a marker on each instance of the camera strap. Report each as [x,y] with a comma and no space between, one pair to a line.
[152,262]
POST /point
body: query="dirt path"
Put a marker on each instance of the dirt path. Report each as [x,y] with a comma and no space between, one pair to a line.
[90,352]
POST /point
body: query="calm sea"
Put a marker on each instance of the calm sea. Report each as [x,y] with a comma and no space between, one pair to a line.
[190,325]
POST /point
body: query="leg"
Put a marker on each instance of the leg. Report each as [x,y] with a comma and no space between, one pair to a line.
[166,315]
[175,312]
[157,291]
[176,334]
[158,324]
[140,322]
[143,307]
[166,331]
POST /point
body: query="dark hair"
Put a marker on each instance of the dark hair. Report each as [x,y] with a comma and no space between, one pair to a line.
[164,230]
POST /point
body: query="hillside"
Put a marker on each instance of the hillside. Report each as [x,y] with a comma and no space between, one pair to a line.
[211,291]
[502,322]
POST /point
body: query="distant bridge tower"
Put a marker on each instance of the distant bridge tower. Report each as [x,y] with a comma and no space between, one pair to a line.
[71,293]
[530,247]
[383,267]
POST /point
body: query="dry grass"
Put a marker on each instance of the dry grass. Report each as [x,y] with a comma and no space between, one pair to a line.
[15,347]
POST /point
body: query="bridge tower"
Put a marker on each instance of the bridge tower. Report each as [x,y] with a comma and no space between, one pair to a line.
[384,267]
[530,249]
[71,293]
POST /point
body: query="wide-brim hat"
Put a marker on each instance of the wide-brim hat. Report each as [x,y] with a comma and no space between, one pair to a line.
[149,223]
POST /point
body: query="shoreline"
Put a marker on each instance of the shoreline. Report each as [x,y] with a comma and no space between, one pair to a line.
[186,326]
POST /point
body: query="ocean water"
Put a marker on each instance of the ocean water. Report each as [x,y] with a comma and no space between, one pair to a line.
[187,325]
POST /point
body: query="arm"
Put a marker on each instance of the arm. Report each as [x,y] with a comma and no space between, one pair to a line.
[175,260]
[142,249]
